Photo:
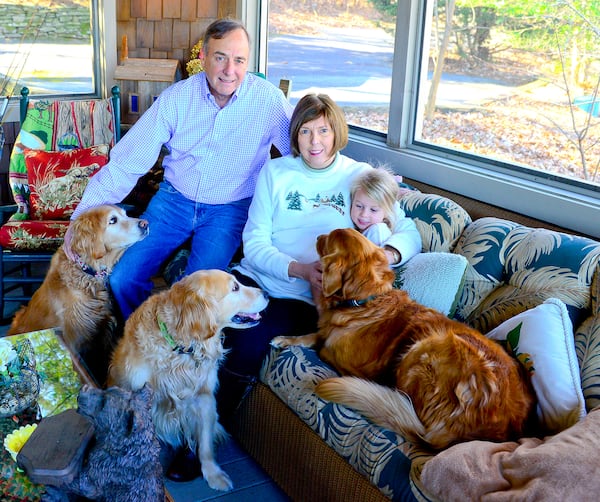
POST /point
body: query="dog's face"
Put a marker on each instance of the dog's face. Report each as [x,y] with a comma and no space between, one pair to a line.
[353,267]
[210,300]
[105,229]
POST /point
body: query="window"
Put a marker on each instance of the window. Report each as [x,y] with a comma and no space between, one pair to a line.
[514,82]
[509,116]
[49,47]
[344,49]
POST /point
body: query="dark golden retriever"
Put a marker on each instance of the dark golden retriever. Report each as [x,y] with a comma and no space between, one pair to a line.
[409,368]
[74,295]
[173,342]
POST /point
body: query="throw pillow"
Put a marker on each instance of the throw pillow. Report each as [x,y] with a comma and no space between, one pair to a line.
[433,279]
[57,179]
[542,340]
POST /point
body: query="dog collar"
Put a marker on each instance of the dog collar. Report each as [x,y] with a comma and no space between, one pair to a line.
[171,341]
[98,274]
[353,303]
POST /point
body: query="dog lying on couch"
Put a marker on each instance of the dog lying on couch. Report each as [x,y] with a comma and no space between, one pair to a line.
[450,382]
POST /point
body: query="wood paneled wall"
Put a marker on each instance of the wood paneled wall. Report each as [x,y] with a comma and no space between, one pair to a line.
[166,29]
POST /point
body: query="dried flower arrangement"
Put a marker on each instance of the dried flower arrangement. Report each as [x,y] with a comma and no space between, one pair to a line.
[194,65]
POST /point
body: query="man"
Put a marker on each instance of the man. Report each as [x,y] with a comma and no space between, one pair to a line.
[218,127]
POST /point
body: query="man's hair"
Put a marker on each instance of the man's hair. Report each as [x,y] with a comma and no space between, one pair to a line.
[313,106]
[220,28]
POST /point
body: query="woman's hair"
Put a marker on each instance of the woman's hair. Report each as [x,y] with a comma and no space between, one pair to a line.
[380,185]
[313,106]
[220,28]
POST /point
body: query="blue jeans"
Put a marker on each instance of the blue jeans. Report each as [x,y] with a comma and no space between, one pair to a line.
[248,347]
[215,231]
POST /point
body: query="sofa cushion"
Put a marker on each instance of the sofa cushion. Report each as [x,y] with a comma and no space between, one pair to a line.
[587,347]
[513,268]
[433,279]
[542,340]
[440,221]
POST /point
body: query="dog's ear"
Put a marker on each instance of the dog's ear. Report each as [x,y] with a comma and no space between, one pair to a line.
[88,235]
[332,274]
[196,313]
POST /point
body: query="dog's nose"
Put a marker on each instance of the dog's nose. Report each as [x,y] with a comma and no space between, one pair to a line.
[143,224]
[265,295]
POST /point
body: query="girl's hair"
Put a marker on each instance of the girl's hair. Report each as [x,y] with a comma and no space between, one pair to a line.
[313,106]
[380,185]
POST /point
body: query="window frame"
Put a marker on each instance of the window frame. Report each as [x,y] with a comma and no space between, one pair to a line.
[105,57]
[572,206]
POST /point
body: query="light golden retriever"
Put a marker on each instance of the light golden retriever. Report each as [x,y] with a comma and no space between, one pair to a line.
[409,368]
[74,295]
[173,342]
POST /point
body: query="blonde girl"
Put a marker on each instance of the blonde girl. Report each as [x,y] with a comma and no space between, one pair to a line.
[374,207]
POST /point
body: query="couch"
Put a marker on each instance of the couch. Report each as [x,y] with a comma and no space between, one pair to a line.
[535,290]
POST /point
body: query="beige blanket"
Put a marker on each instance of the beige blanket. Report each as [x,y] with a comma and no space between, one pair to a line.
[564,467]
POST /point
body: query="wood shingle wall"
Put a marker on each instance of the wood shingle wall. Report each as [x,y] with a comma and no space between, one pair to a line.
[166,29]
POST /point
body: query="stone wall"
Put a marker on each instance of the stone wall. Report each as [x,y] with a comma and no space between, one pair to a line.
[26,23]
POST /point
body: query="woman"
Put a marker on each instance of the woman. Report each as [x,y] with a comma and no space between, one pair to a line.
[298,197]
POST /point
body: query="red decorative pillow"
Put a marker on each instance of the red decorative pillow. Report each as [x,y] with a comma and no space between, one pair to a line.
[57,179]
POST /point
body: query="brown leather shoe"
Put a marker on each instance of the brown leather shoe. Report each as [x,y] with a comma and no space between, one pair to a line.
[184,467]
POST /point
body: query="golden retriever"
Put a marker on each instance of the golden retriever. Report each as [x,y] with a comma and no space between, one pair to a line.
[74,295]
[409,368]
[173,342]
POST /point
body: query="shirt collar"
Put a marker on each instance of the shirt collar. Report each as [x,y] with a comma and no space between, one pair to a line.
[207,94]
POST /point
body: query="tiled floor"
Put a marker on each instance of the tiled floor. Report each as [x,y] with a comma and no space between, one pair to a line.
[250,482]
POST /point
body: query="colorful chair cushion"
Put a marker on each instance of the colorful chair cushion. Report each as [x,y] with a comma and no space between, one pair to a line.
[57,126]
[33,235]
[53,152]
[57,179]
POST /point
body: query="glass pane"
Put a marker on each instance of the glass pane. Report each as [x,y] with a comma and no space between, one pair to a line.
[516,82]
[46,45]
[342,48]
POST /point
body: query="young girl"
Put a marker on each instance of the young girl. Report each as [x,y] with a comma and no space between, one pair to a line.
[374,207]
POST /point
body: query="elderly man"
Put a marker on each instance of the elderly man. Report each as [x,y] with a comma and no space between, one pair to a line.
[218,127]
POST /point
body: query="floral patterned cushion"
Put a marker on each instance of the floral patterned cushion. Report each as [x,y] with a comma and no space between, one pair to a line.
[513,268]
[38,235]
[57,126]
[440,221]
[57,179]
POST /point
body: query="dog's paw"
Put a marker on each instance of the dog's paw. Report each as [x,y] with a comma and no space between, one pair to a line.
[216,478]
[282,342]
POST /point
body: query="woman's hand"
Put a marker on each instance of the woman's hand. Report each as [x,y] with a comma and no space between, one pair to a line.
[310,272]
